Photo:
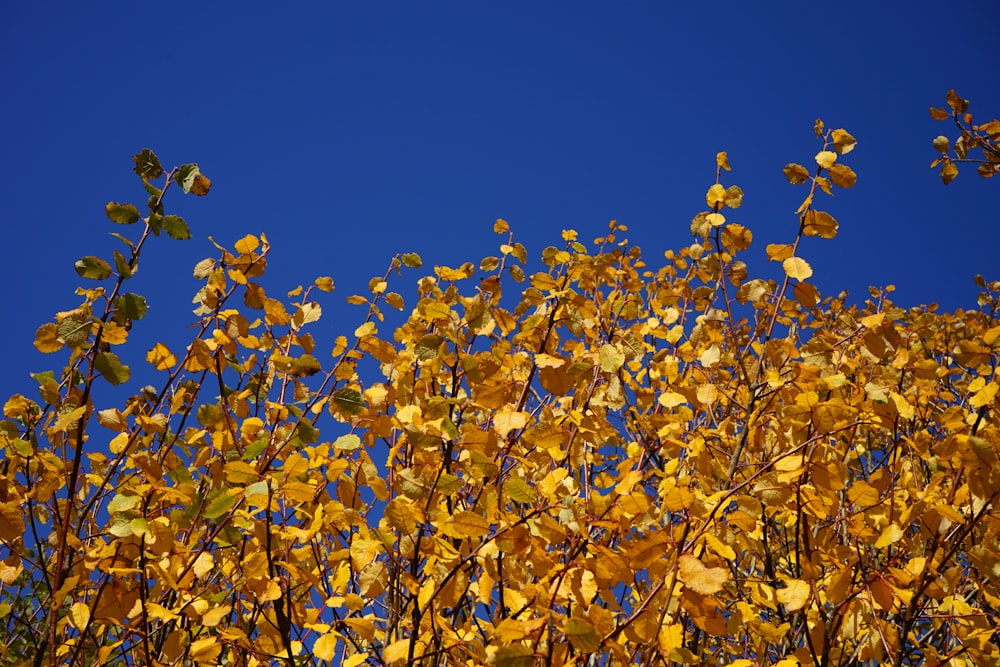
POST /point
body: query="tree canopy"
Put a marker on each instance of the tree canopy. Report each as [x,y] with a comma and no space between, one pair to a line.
[588,457]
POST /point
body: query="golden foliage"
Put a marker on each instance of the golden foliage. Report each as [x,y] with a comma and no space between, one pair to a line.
[607,463]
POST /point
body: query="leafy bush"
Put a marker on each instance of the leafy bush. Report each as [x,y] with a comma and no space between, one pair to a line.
[580,460]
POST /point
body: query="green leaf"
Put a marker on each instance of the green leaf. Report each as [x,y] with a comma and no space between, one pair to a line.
[185,176]
[123,503]
[220,506]
[347,443]
[93,268]
[123,214]
[427,347]
[74,330]
[123,239]
[131,306]
[176,227]
[303,366]
[251,451]
[122,266]
[111,368]
[519,491]
[412,260]
[349,400]
[307,433]
[153,192]
[155,223]
[147,164]
[121,526]
[449,484]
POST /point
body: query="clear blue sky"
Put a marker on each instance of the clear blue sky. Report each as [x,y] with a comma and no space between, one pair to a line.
[348,132]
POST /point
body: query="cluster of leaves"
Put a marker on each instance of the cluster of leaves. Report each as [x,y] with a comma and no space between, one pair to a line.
[597,462]
[984,138]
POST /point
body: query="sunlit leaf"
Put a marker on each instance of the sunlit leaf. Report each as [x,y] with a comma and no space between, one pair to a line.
[796,174]
[797,268]
[818,223]
[716,196]
[161,357]
[843,176]
[699,578]
[582,635]
[794,595]
[826,159]
[843,142]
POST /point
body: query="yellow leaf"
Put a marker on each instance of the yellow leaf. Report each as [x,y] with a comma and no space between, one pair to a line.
[671,399]
[501,226]
[582,635]
[719,547]
[716,196]
[206,650]
[862,493]
[505,421]
[984,396]
[715,219]
[734,196]
[47,339]
[736,237]
[324,283]
[701,579]
[79,615]
[890,535]
[310,312]
[466,524]
[711,356]
[326,646]
[66,420]
[247,244]
[670,638]
[707,393]
[11,567]
[843,142]
[611,358]
[366,329]
[794,595]
[215,615]
[161,357]
[777,252]
[797,268]
[722,160]
[396,651]
[843,176]
[903,407]
[818,223]
[543,360]
[355,659]
[826,159]
[796,174]
[203,564]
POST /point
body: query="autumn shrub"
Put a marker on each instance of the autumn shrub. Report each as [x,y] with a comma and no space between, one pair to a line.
[579,459]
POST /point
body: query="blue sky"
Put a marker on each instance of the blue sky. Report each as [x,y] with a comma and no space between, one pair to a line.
[350,132]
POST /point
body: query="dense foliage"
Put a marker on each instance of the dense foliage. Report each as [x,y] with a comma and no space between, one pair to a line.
[585,459]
